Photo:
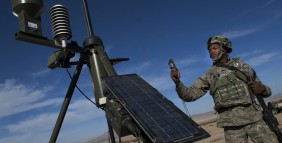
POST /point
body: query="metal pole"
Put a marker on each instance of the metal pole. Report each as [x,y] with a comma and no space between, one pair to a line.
[87,17]
[95,74]
[93,60]
[111,132]
[67,100]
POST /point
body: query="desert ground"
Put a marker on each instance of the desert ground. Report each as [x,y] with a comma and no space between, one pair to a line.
[217,133]
[207,121]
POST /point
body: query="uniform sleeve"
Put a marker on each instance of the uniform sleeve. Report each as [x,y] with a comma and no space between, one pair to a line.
[254,77]
[198,89]
[267,91]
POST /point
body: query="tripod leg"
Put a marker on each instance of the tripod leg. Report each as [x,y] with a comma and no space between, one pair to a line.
[111,132]
[66,103]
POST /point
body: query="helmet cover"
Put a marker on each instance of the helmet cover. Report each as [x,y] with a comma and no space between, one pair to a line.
[223,41]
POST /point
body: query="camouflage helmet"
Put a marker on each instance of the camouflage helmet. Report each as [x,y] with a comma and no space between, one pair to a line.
[223,41]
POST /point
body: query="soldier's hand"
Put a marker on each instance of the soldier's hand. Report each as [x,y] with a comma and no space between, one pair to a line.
[175,75]
[256,87]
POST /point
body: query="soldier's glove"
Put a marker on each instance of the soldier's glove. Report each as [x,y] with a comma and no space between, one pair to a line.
[175,75]
[256,87]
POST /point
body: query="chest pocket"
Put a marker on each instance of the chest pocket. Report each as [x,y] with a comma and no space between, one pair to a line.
[230,91]
[221,77]
[225,80]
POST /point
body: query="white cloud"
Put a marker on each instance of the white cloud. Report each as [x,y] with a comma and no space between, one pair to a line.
[39,128]
[41,72]
[248,54]
[256,61]
[16,98]
[240,33]
[34,124]
[243,32]
[78,112]
[259,7]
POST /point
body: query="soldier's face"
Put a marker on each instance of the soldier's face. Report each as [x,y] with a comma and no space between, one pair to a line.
[214,50]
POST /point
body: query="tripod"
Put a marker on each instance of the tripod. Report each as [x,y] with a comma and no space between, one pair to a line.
[90,53]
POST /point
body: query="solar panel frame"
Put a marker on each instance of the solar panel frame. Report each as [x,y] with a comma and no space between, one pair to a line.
[157,116]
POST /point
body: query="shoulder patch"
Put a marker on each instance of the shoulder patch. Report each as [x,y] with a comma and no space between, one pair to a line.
[237,63]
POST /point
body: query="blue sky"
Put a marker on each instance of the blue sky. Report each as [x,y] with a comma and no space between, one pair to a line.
[149,33]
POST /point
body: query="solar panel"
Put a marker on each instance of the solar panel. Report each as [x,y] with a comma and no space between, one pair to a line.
[158,117]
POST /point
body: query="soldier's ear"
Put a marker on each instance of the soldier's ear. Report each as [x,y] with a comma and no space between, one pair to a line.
[225,50]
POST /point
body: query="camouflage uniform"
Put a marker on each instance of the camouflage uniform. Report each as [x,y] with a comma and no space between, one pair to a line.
[239,115]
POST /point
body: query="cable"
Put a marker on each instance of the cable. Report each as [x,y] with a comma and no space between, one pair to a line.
[109,138]
[185,108]
[81,91]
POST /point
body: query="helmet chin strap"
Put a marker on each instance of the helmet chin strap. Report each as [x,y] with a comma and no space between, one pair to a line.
[218,58]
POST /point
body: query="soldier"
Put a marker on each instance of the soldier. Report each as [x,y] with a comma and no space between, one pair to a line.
[233,94]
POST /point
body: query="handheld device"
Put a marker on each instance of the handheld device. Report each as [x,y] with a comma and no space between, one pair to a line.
[172,64]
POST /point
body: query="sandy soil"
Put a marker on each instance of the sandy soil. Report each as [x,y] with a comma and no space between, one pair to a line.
[217,135]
